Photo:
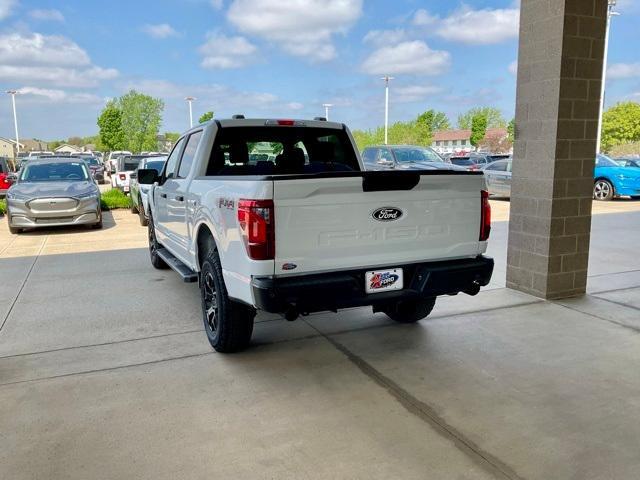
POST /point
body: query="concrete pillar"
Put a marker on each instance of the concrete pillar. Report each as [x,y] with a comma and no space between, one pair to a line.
[559,76]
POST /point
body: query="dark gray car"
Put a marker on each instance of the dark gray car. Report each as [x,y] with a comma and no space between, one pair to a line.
[404,157]
[53,192]
[498,176]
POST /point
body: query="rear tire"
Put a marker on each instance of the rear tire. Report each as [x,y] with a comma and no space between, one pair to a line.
[143,218]
[228,324]
[410,311]
[154,245]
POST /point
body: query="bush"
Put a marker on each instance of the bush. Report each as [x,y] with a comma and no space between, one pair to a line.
[113,199]
[3,206]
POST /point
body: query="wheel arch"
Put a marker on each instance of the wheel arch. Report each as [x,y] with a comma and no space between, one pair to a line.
[205,241]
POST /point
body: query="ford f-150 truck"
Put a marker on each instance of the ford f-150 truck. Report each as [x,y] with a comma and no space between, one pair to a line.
[307,229]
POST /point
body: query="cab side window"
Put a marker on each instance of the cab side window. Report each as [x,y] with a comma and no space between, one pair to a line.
[172,161]
[498,167]
[189,154]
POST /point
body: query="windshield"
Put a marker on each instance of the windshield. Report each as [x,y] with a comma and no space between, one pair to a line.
[54,172]
[413,154]
[155,165]
[92,162]
[604,161]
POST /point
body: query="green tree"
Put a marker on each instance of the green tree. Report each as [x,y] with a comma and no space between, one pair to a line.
[620,125]
[492,114]
[171,136]
[141,119]
[478,129]
[511,130]
[53,144]
[434,120]
[205,117]
[110,125]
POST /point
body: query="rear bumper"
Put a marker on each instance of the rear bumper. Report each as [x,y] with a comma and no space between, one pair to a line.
[331,291]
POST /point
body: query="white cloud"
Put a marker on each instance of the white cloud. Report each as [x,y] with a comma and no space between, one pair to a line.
[623,70]
[407,58]
[513,67]
[221,51]
[303,28]
[59,96]
[423,18]
[475,27]
[224,100]
[385,37]
[161,30]
[51,15]
[6,8]
[50,59]
[413,93]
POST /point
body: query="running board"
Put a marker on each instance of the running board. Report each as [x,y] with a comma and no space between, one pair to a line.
[188,275]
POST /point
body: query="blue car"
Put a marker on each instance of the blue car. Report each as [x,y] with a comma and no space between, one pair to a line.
[613,180]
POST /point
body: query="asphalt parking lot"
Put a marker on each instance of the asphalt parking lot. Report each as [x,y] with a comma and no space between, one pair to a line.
[105,372]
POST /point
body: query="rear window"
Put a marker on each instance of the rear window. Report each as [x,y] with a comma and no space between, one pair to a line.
[281,151]
[462,161]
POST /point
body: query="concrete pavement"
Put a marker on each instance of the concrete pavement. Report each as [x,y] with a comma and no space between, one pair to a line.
[105,373]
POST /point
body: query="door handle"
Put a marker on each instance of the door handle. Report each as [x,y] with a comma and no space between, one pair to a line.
[163,195]
[179,198]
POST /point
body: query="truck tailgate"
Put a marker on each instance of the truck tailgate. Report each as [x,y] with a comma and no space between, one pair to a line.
[375,219]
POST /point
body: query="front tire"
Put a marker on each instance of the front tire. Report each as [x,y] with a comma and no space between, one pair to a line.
[156,261]
[410,311]
[603,190]
[228,324]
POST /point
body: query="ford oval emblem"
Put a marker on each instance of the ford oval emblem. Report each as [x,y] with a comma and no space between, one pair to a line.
[289,266]
[387,214]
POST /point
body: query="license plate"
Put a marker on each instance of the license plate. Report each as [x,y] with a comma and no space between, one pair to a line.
[383,280]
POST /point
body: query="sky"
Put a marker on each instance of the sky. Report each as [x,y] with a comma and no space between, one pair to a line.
[270,58]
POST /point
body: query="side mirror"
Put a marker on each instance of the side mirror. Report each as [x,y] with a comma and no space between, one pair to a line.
[147,176]
[11,178]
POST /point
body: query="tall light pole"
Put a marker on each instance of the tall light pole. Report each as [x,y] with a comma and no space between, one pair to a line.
[610,13]
[326,109]
[386,79]
[15,118]
[190,100]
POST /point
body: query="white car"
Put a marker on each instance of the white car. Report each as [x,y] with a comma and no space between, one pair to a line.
[310,230]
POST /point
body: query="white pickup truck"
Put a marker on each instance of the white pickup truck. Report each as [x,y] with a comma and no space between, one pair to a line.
[306,229]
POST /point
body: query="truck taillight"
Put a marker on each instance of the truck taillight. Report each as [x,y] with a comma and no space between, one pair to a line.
[256,221]
[123,176]
[485,216]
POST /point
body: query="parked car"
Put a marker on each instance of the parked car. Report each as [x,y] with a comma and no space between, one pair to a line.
[310,231]
[472,160]
[139,202]
[498,176]
[96,167]
[112,158]
[125,166]
[53,191]
[403,157]
[40,153]
[613,180]
[5,170]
